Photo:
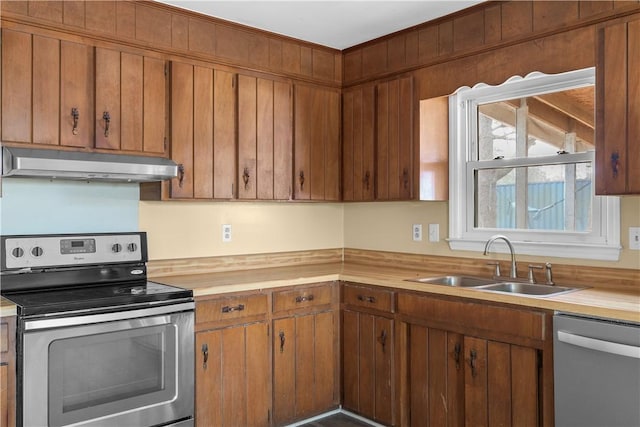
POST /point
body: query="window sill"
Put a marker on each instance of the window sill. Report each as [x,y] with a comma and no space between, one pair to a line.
[546,249]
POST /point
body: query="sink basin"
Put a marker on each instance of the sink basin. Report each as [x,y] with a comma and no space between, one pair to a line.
[462,281]
[526,289]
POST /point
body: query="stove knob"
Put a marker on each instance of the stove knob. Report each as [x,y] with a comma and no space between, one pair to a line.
[117,247]
[37,251]
[132,247]
[17,252]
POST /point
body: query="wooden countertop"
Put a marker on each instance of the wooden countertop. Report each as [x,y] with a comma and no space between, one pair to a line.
[599,302]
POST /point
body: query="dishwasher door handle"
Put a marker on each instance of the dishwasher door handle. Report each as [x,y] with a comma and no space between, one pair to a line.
[600,345]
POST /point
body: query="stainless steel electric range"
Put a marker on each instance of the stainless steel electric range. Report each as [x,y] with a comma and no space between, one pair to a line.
[97,343]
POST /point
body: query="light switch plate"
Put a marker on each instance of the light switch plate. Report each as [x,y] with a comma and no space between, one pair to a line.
[634,238]
[434,232]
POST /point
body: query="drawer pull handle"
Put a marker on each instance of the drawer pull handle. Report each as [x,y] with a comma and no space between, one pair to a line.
[368,299]
[456,355]
[305,298]
[231,309]
[281,335]
[107,120]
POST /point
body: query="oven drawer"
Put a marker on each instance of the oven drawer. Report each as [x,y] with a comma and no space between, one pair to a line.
[219,309]
[302,297]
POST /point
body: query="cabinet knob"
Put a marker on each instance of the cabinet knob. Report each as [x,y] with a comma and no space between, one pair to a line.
[205,355]
[615,163]
[304,298]
[456,355]
[281,335]
[180,174]
[473,362]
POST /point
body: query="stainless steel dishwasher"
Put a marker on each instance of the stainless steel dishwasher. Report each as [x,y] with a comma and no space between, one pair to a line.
[596,372]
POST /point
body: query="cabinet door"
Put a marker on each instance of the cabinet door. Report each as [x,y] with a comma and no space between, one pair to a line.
[16,86]
[232,384]
[182,119]
[4,401]
[501,384]
[367,357]
[77,88]
[317,144]
[394,167]
[224,134]
[264,139]
[46,90]
[108,90]
[358,139]
[303,366]
[436,369]
[618,124]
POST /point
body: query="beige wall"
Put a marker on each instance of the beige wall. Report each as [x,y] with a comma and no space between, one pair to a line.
[387,227]
[194,229]
[184,229]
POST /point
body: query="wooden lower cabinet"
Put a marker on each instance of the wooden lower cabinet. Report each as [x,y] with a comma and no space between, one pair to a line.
[474,364]
[457,380]
[303,366]
[367,363]
[232,376]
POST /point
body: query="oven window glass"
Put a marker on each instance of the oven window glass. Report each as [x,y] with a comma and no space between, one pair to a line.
[111,372]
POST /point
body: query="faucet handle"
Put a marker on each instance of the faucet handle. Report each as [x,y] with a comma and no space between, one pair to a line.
[532,279]
[496,270]
[549,275]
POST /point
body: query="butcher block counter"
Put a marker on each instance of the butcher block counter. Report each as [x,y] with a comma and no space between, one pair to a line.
[615,303]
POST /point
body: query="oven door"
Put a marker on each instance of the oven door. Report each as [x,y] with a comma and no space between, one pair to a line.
[131,368]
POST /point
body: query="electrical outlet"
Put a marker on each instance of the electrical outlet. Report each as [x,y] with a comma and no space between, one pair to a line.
[634,238]
[416,231]
[434,232]
[226,232]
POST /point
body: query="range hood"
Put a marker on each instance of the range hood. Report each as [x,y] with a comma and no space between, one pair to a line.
[86,166]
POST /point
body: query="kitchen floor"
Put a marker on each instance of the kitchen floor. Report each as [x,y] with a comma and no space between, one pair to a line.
[337,420]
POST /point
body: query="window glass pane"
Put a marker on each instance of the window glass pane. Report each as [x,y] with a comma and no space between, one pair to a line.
[555,197]
[539,125]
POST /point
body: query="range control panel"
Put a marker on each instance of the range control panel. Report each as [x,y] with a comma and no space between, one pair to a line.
[39,251]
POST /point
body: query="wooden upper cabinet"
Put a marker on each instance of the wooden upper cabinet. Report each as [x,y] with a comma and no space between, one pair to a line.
[394,133]
[203,132]
[130,102]
[16,86]
[61,93]
[76,95]
[317,144]
[358,143]
[618,111]
[265,135]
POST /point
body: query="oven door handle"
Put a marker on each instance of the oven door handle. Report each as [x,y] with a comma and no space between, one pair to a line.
[60,322]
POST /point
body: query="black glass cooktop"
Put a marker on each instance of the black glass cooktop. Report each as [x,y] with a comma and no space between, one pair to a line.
[108,297]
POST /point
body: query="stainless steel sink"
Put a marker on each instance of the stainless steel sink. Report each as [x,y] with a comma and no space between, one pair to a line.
[526,289]
[462,281]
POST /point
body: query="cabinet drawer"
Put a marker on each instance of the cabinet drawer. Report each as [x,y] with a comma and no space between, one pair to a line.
[227,308]
[369,297]
[302,297]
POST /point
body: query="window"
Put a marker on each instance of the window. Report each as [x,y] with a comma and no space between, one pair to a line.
[522,163]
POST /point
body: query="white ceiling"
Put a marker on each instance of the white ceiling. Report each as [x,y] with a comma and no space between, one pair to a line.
[336,24]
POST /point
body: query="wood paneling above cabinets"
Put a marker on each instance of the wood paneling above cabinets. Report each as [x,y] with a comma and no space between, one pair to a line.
[484,27]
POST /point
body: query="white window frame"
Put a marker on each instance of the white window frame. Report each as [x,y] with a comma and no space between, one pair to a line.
[602,243]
